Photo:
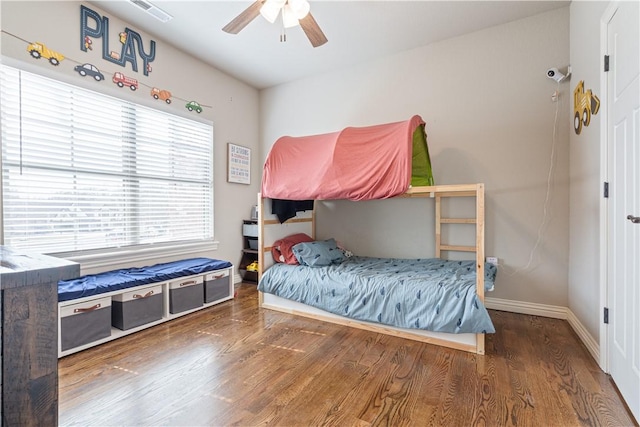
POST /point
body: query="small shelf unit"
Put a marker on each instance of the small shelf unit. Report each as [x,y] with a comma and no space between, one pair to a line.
[249,250]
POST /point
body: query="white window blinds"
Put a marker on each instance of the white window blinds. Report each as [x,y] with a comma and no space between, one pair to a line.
[85,171]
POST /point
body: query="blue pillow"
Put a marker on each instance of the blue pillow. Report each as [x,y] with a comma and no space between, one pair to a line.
[318,253]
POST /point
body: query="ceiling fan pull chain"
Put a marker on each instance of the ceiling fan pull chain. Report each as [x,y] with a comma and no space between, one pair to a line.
[283,35]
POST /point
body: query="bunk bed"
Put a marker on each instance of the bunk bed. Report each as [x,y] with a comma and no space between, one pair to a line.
[323,179]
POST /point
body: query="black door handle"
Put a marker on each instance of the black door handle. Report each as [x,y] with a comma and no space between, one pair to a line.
[634,219]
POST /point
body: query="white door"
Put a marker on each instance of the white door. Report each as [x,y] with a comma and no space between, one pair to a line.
[623,139]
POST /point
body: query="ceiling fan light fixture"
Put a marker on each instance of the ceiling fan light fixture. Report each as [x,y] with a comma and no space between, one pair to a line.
[288,17]
[271,8]
[300,8]
[294,12]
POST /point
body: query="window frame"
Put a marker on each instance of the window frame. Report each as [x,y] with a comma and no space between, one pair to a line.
[108,257]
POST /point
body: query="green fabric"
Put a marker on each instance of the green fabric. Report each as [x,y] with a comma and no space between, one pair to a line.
[421,174]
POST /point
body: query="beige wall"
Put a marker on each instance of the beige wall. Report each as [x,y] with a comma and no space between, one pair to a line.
[234,105]
[489,118]
[585,173]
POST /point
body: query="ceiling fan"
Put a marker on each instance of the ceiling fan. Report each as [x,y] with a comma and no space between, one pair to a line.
[294,12]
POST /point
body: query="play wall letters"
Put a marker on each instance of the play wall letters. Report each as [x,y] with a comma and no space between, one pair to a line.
[131,41]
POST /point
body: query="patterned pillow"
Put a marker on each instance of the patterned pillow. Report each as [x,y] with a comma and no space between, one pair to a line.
[318,253]
[282,249]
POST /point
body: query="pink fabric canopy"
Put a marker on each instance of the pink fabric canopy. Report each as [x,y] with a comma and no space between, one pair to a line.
[357,163]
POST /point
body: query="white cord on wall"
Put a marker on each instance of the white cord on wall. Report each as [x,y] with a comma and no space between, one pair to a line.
[545,209]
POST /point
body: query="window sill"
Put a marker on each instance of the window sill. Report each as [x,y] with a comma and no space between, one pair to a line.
[116,259]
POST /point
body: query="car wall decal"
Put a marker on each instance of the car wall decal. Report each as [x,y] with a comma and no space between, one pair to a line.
[121,80]
[38,50]
[194,106]
[584,105]
[161,94]
[89,70]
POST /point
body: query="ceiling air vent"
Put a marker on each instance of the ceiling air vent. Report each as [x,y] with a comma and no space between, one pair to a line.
[152,10]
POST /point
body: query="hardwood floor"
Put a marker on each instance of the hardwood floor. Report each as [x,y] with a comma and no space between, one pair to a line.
[235,364]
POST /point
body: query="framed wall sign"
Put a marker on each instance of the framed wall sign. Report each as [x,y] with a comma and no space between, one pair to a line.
[238,164]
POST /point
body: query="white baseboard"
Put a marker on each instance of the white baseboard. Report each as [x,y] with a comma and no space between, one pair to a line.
[522,307]
[592,345]
[553,311]
[237,278]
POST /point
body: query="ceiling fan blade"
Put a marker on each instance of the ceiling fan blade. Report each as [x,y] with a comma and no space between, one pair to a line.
[312,30]
[242,20]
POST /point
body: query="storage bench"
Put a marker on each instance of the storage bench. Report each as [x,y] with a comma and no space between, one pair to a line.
[98,308]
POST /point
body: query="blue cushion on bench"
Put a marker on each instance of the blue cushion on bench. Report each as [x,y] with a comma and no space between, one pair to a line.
[108,281]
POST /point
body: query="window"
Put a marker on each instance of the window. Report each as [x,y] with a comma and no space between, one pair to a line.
[82,171]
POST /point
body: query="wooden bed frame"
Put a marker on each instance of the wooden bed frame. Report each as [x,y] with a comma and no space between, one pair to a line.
[270,230]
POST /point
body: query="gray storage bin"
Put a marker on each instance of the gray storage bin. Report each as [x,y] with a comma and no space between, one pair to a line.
[250,230]
[186,294]
[85,322]
[216,286]
[137,307]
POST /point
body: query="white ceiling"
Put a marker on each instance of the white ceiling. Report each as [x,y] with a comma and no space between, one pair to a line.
[358,31]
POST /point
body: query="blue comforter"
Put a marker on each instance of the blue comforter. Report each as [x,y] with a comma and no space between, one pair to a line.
[430,294]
